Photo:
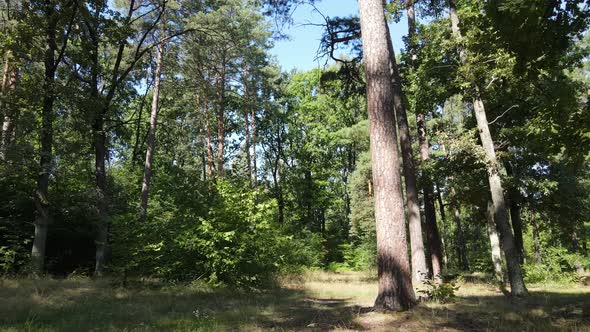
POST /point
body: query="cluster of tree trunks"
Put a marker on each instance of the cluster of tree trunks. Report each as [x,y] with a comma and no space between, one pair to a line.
[497,191]
[385,108]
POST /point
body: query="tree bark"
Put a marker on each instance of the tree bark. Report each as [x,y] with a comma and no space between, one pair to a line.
[247,125]
[10,116]
[517,285]
[418,259]
[46,136]
[221,120]
[277,178]
[514,203]
[100,153]
[395,281]
[443,219]
[50,61]
[495,246]
[209,146]
[253,143]
[151,139]
[5,74]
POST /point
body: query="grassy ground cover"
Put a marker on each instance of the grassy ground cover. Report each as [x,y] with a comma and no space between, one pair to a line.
[315,301]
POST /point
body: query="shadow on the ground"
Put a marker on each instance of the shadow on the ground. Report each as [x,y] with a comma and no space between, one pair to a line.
[75,307]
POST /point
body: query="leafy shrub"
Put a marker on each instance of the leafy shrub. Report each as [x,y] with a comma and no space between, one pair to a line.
[235,241]
[361,257]
[439,292]
[558,265]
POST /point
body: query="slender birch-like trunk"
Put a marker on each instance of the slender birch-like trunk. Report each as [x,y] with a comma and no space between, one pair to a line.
[151,139]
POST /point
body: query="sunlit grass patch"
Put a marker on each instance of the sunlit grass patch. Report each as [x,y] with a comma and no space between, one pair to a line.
[314,301]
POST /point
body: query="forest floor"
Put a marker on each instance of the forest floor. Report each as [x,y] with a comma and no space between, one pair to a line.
[316,301]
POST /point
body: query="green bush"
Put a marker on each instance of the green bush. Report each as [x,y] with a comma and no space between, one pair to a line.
[361,257]
[236,241]
[439,292]
[558,265]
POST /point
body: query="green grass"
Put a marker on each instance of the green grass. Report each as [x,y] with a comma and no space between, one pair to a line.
[315,301]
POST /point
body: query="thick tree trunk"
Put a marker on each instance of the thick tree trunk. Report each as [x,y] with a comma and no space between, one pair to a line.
[41,199]
[395,281]
[247,126]
[221,120]
[46,142]
[517,285]
[418,259]
[151,139]
[495,246]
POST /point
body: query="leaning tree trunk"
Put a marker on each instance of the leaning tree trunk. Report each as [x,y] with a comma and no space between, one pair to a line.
[395,281]
[517,285]
[151,139]
[495,246]
[515,276]
[418,259]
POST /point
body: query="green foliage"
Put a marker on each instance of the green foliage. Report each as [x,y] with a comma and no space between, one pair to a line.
[362,257]
[558,265]
[229,237]
[440,292]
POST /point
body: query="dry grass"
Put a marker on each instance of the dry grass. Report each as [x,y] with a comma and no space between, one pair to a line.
[316,301]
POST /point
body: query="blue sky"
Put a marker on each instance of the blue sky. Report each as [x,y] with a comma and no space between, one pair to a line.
[300,50]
